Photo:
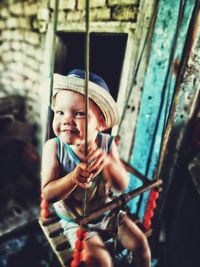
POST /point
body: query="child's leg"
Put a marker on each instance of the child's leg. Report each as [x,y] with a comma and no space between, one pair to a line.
[132,238]
[96,253]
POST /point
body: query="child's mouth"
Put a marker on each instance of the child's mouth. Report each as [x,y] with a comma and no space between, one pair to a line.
[70,131]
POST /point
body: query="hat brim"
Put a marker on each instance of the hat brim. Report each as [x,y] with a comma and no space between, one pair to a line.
[99,95]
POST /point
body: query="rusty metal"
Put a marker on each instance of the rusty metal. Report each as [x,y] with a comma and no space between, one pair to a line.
[118,202]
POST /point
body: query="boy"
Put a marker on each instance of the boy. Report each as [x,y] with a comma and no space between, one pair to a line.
[66,170]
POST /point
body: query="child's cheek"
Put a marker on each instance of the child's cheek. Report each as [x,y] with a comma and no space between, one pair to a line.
[56,128]
[81,125]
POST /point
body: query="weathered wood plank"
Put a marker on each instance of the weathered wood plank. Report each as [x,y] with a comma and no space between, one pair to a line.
[59,243]
[149,135]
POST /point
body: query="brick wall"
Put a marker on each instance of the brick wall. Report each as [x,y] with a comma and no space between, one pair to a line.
[100,10]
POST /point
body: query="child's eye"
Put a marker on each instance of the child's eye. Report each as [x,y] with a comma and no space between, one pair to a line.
[80,114]
[59,112]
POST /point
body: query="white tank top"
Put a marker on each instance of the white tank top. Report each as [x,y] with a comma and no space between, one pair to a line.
[97,194]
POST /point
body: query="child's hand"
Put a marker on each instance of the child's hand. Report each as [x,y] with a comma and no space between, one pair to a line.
[81,175]
[85,171]
[95,159]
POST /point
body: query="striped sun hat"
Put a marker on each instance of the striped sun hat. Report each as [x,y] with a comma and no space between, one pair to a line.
[98,92]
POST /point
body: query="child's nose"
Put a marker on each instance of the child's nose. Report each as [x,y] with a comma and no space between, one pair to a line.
[67,119]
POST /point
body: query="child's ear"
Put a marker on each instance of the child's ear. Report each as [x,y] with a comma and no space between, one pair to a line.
[101,125]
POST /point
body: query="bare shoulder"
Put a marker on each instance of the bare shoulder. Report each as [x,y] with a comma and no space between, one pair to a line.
[113,155]
[50,146]
[113,152]
[114,170]
[50,165]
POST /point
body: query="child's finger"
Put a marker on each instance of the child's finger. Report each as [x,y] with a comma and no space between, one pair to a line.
[91,146]
[93,155]
[99,169]
[85,179]
[82,165]
[94,165]
[81,169]
[85,185]
[85,174]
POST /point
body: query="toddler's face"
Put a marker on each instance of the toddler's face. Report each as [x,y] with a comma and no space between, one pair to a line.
[69,118]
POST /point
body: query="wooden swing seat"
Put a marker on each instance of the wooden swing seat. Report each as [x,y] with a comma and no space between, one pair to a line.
[58,241]
[54,232]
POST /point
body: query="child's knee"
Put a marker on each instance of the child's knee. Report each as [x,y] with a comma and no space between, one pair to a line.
[94,260]
[142,247]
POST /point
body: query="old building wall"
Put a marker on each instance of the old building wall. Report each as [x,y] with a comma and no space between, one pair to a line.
[21,54]
[26,40]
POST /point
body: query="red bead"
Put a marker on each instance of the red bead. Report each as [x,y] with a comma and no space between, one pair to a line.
[76,255]
[79,233]
[152,205]
[147,224]
[85,235]
[154,195]
[74,263]
[149,214]
[78,244]
[151,197]
[44,204]
[82,244]
[44,214]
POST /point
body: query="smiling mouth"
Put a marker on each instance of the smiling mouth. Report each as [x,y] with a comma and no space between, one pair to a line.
[70,131]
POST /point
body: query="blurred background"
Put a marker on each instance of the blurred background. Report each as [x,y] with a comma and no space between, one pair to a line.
[148,52]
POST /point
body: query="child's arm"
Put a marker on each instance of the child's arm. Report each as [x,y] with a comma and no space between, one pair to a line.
[114,171]
[111,165]
[55,187]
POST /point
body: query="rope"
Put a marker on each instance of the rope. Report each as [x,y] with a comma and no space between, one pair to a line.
[87,58]
[55,22]
[44,203]
[79,251]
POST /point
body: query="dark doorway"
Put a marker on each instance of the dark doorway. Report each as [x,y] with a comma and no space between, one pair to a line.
[106,55]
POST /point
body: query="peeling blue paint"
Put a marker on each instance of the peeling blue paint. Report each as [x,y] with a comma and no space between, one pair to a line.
[153,90]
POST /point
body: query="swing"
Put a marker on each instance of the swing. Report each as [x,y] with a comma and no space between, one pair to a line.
[50,222]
